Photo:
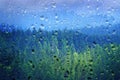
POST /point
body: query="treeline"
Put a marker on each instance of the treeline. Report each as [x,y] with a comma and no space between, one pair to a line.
[74,38]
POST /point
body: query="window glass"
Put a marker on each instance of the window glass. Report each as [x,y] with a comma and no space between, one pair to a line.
[59,39]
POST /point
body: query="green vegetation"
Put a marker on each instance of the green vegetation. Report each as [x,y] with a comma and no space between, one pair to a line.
[43,55]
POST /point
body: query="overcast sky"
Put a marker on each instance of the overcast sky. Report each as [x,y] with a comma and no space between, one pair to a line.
[59,13]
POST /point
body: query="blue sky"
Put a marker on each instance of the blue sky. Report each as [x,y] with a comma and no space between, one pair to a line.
[58,14]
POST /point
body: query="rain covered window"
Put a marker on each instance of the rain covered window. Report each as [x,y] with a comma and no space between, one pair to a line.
[59,39]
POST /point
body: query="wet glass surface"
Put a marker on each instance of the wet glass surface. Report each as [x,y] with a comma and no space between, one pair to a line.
[59,40]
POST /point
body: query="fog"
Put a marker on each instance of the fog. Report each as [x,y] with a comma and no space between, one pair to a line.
[59,14]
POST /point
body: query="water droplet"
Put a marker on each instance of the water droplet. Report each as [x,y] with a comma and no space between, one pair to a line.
[33,51]
[55,56]
[53,5]
[25,11]
[66,74]
[42,26]
[112,73]
[88,6]
[114,32]
[29,77]
[89,78]
[57,59]
[32,27]
[42,18]
[56,16]
[101,73]
[89,26]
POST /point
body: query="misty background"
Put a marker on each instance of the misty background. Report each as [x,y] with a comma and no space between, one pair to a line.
[59,14]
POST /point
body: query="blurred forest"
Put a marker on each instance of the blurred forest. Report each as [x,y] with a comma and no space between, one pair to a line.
[58,55]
